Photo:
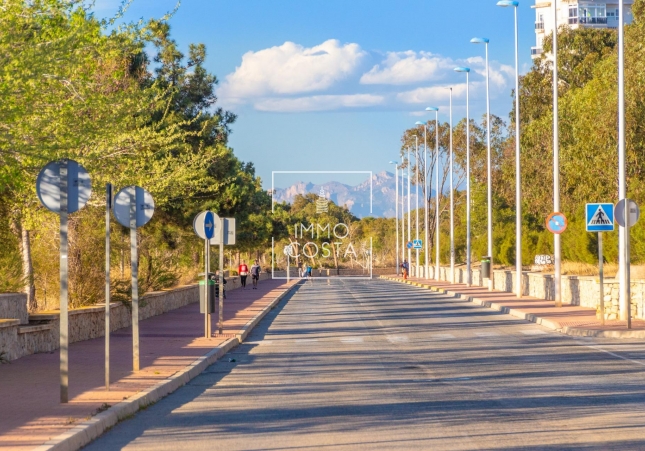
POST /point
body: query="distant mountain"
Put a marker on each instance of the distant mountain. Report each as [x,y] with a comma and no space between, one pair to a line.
[356,198]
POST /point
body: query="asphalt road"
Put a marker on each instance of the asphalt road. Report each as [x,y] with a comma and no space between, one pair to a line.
[351,365]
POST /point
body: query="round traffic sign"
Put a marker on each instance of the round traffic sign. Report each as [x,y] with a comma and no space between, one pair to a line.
[288,251]
[79,187]
[410,245]
[557,223]
[633,215]
[200,224]
[140,199]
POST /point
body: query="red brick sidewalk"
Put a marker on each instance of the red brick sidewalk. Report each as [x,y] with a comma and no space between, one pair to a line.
[31,413]
[570,319]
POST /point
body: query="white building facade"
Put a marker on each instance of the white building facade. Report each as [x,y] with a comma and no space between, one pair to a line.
[576,14]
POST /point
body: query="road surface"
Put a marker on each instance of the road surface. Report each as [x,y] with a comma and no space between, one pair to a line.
[361,365]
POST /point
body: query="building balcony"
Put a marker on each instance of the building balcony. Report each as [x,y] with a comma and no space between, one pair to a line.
[592,20]
[539,26]
[536,51]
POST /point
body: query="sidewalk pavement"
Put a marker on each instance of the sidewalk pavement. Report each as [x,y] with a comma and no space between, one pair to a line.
[31,413]
[568,319]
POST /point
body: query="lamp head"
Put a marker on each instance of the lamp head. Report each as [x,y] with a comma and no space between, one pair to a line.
[432,108]
[479,41]
[462,69]
[506,3]
[394,162]
[419,123]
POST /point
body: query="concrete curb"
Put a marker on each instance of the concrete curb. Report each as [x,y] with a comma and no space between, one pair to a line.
[84,433]
[553,325]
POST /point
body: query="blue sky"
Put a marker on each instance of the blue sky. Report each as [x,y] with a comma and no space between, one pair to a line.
[332,85]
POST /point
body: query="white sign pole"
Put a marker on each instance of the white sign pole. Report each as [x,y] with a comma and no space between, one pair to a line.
[627,265]
[601,279]
[64,324]
[221,275]
[206,288]
[108,206]
[134,262]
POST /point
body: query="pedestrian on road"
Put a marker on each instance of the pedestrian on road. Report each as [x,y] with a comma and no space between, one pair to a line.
[243,271]
[300,270]
[406,269]
[255,274]
[308,272]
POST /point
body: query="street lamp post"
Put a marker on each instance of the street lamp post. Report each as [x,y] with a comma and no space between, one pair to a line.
[518,174]
[452,202]
[409,207]
[396,211]
[556,163]
[402,216]
[416,159]
[469,279]
[436,193]
[489,183]
[426,269]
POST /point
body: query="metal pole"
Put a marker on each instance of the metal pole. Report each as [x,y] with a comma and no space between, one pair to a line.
[622,181]
[469,279]
[518,173]
[221,277]
[556,162]
[64,324]
[108,207]
[452,202]
[409,208]
[437,213]
[396,214]
[207,291]
[601,279]
[491,280]
[402,218]
[416,159]
[426,191]
[628,264]
[134,262]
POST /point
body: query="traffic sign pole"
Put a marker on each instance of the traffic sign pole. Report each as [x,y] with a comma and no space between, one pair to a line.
[601,280]
[627,266]
[64,324]
[134,265]
[207,304]
[221,276]
[108,206]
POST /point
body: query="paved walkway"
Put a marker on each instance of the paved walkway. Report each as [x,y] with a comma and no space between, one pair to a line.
[31,413]
[569,319]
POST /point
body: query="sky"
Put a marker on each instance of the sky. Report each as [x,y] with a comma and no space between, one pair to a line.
[332,85]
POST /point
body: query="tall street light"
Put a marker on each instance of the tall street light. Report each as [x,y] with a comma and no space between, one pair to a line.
[489,183]
[409,208]
[466,70]
[436,192]
[623,232]
[425,196]
[396,211]
[452,202]
[518,175]
[402,215]
[416,159]
[556,162]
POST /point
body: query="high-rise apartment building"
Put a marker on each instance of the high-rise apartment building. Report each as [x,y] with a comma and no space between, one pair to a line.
[576,14]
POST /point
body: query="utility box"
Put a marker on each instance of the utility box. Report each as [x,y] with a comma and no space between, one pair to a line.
[203,296]
[486,268]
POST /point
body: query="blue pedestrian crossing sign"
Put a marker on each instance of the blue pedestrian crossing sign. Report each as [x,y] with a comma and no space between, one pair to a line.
[417,244]
[600,217]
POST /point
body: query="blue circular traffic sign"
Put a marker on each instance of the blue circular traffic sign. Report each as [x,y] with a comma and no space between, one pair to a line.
[209,225]
[557,223]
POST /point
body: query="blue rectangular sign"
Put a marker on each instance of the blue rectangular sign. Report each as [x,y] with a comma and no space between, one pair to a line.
[600,217]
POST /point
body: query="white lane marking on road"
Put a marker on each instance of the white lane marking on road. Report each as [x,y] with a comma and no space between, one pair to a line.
[262,342]
[442,336]
[533,332]
[352,340]
[307,340]
[616,355]
[487,334]
[397,338]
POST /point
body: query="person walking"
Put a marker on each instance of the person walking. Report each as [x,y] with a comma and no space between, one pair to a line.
[308,273]
[255,274]
[243,271]
[406,269]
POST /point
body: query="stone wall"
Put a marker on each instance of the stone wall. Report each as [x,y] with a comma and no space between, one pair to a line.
[39,332]
[576,290]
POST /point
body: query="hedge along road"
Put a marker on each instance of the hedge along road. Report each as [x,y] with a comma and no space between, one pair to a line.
[379,365]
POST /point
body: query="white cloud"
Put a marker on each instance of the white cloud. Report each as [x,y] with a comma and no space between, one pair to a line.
[433,95]
[290,69]
[318,103]
[402,68]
